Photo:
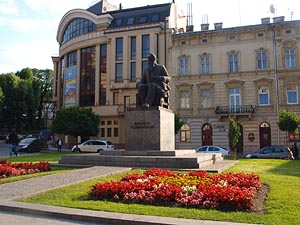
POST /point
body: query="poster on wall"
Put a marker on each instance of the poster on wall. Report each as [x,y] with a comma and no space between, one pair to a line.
[70,87]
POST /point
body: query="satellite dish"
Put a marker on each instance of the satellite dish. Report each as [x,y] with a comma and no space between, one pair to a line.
[272,9]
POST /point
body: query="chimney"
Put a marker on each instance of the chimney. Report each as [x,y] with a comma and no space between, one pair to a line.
[189,28]
[204,26]
[120,6]
[218,26]
[265,20]
[278,19]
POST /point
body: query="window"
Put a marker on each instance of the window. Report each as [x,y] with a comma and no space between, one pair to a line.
[145,46]
[260,35]
[184,99]
[109,132]
[119,49]
[87,76]
[262,60]
[130,21]
[185,133]
[234,99]
[143,19]
[205,98]
[133,48]
[72,59]
[290,58]
[263,96]
[292,94]
[288,31]
[183,66]
[133,58]
[78,27]
[103,74]
[233,63]
[155,17]
[204,65]
[116,132]
[119,22]
[133,71]
[102,132]
[119,72]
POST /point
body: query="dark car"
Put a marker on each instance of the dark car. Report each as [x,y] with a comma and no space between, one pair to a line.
[270,152]
[30,145]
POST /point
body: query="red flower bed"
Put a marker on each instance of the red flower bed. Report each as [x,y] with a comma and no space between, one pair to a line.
[197,189]
[16,169]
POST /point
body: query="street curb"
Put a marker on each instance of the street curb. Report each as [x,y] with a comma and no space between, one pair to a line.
[99,216]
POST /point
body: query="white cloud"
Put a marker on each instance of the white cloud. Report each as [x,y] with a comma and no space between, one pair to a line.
[8,7]
[33,54]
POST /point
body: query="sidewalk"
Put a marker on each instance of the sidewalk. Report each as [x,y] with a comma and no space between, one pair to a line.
[11,191]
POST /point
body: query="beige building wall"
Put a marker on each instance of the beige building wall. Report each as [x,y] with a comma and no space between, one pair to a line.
[217,45]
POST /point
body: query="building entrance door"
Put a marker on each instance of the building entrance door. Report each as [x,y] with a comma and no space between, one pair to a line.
[264,135]
[207,134]
[240,144]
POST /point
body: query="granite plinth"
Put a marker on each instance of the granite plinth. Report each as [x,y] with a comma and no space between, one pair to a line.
[149,129]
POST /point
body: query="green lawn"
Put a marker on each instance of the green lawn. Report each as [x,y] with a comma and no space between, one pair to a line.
[51,157]
[282,203]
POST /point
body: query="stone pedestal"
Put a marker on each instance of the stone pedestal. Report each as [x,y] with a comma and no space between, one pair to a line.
[149,130]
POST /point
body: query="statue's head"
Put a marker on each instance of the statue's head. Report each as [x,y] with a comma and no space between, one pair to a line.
[151,58]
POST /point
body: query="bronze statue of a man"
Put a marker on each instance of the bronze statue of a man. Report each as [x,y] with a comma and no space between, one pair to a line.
[154,83]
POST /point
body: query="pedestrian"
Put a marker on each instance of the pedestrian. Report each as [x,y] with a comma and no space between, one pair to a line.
[13,141]
[296,151]
[59,144]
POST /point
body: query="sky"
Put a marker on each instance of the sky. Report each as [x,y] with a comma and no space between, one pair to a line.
[28,28]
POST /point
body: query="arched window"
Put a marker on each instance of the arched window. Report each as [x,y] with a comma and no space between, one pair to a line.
[185,133]
[78,27]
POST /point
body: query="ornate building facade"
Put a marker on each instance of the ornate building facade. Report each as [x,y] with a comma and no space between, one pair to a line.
[248,73]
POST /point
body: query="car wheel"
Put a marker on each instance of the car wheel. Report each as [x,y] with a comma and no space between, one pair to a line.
[99,150]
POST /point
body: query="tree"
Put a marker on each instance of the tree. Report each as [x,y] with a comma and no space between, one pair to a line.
[76,121]
[178,123]
[233,135]
[288,121]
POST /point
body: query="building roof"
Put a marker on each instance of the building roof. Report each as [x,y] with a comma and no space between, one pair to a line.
[134,16]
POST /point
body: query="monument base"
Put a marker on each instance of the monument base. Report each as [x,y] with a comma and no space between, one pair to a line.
[149,129]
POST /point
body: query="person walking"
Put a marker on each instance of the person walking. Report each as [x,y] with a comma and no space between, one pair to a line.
[296,151]
[13,141]
[59,144]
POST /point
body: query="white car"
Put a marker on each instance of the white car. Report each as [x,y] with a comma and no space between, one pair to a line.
[94,146]
[212,149]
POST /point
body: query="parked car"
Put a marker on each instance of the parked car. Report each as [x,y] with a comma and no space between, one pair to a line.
[33,136]
[270,152]
[3,136]
[30,145]
[212,149]
[94,146]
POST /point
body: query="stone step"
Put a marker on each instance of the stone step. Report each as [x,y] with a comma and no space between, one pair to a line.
[191,161]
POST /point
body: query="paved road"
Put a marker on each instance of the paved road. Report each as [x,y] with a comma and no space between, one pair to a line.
[10,218]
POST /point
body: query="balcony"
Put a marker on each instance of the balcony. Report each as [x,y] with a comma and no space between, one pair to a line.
[123,108]
[235,110]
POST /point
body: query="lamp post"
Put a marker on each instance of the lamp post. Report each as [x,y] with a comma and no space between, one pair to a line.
[49,111]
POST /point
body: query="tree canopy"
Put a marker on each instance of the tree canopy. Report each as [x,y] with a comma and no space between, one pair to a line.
[23,96]
[76,121]
[288,121]
[178,123]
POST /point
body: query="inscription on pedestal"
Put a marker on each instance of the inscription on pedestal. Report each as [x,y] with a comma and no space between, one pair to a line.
[139,125]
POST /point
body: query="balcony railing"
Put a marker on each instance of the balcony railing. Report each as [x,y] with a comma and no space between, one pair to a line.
[228,110]
[123,108]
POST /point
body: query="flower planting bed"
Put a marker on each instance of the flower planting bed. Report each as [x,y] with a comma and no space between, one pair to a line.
[17,169]
[196,189]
